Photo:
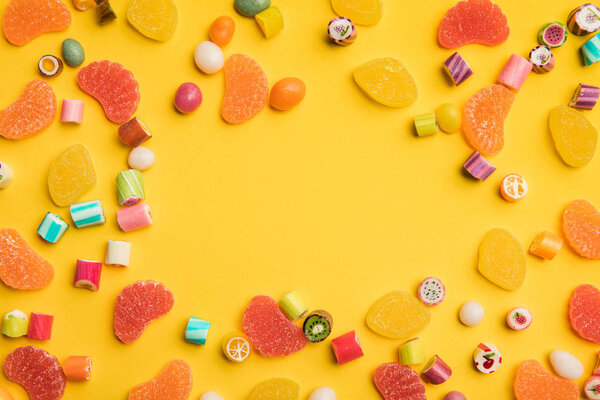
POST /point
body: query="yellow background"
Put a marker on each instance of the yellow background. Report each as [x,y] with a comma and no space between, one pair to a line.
[336,199]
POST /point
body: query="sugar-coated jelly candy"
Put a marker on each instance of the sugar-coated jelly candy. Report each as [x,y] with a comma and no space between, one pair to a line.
[574,136]
[361,12]
[24,20]
[276,389]
[246,89]
[155,19]
[71,175]
[174,382]
[387,81]
[502,259]
[398,315]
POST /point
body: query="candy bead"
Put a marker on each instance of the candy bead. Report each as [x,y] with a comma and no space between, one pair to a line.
[293,306]
[342,31]
[6,175]
[323,393]
[188,97]
[40,326]
[513,188]
[71,111]
[211,396]
[134,217]
[83,5]
[5,394]
[130,187]
[72,52]
[454,395]
[221,30]
[591,50]
[197,330]
[412,352]
[270,21]
[87,213]
[553,34]
[471,313]
[87,275]
[585,97]
[546,245]
[78,368]
[347,348]
[426,124]
[118,253]
[52,228]
[515,72]
[236,346]
[104,11]
[140,158]
[15,324]
[584,20]
[209,57]
[542,59]
[478,166]
[449,117]
[436,371]
[457,68]
[487,358]
[249,8]
[134,132]
[50,66]
[566,365]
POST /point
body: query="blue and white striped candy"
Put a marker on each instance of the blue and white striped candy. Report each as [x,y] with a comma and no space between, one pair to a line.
[52,228]
[197,330]
[591,50]
[88,213]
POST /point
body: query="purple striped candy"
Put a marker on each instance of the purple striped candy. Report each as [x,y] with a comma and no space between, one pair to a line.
[457,68]
[478,166]
[586,97]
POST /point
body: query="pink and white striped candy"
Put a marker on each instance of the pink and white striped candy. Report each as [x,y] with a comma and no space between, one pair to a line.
[478,166]
[87,275]
[457,68]
[585,97]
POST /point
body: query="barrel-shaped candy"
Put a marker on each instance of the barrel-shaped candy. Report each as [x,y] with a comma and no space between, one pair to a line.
[72,111]
[15,324]
[436,371]
[478,166]
[40,326]
[585,97]
[412,352]
[78,368]
[118,253]
[134,132]
[134,217]
[197,330]
[591,50]
[546,245]
[347,348]
[553,34]
[542,59]
[487,358]
[130,187]
[515,72]
[293,306]
[584,20]
[342,31]
[6,175]
[87,275]
[87,213]
[426,124]
[457,68]
[52,228]
[270,21]
[50,66]
[317,326]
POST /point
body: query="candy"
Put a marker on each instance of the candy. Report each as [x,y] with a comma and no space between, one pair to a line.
[584,312]
[15,324]
[87,275]
[346,348]
[386,81]
[436,371]
[134,132]
[52,228]
[323,393]
[6,175]
[425,125]
[581,227]
[276,389]
[78,368]
[88,213]
[287,93]
[209,57]
[513,188]
[188,97]
[211,396]
[591,388]
[174,382]
[50,66]
[431,291]
[236,346]
[566,365]
[502,259]
[31,113]
[72,52]
[483,118]
[293,306]
[519,318]
[130,187]
[140,158]
[471,313]
[117,253]
[487,358]
[398,382]
[457,68]
[134,217]
[585,97]
[542,59]
[5,394]
[546,245]
[515,72]
[113,86]
[20,266]
[596,370]
[270,21]
[71,175]
[478,167]
[24,20]
[104,11]
[398,315]
[553,34]
[83,5]
[454,395]
[269,330]
[574,136]
[38,372]
[591,50]
[412,352]
[533,382]
[584,20]
[40,326]
[317,326]
[342,31]
[448,117]
[473,21]
[362,12]
[246,89]
[155,19]
[71,111]
[249,8]
[197,330]
[137,306]
[221,30]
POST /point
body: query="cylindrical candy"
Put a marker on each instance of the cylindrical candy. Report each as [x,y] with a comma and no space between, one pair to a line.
[71,111]
[134,217]
[50,65]
[426,125]
[546,245]
[591,388]
[591,50]
[134,132]
[40,326]
[412,352]
[487,358]
[87,213]
[347,348]
[542,59]
[553,34]
[478,166]
[596,370]
[342,31]
[140,158]
[317,326]
[584,20]
[83,5]
[431,291]
[457,68]
[437,371]
[585,97]
[15,324]
[6,175]
[78,368]
[293,306]
[270,21]
[87,275]
[454,395]
[519,318]
[236,346]
[197,330]
[513,187]
[52,228]
[118,253]
[104,11]
[515,72]
[130,187]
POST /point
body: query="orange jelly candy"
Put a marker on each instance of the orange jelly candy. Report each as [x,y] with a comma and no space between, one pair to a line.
[533,382]
[581,226]
[246,89]
[24,20]
[20,266]
[31,113]
[174,382]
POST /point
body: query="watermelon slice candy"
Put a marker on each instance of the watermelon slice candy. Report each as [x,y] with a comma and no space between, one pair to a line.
[553,34]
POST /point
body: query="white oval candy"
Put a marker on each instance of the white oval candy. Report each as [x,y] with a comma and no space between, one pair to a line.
[566,365]
[211,396]
[209,57]
[471,313]
[323,393]
[6,175]
[141,158]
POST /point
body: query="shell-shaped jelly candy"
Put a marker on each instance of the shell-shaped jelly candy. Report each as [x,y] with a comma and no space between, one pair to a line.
[174,382]
[502,259]
[361,12]
[533,382]
[155,19]
[246,89]
[398,315]
[574,136]
[24,20]
[71,175]
[581,226]
[276,389]
[387,81]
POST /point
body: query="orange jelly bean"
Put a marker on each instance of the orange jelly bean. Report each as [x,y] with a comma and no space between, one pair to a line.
[221,30]
[287,93]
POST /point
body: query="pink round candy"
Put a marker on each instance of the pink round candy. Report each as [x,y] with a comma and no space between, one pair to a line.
[455,396]
[188,97]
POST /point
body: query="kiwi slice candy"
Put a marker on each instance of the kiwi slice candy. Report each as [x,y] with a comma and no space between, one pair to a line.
[317,326]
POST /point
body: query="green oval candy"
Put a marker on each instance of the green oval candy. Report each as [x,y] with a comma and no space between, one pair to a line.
[250,8]
[72,52]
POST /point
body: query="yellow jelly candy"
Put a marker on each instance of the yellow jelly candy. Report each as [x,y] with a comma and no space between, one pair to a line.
[502,259]
[71,175]
[398,315]
[155,19]
[387,82]
[574,136]
[276,389]
[361,12]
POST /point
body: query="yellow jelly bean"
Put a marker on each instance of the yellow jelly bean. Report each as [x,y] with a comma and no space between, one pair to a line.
[71,175]
[361,12]
[574,136]
[449,117]
[276,389]
[502,259]
[155,19]
[398,315]
[386,81]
